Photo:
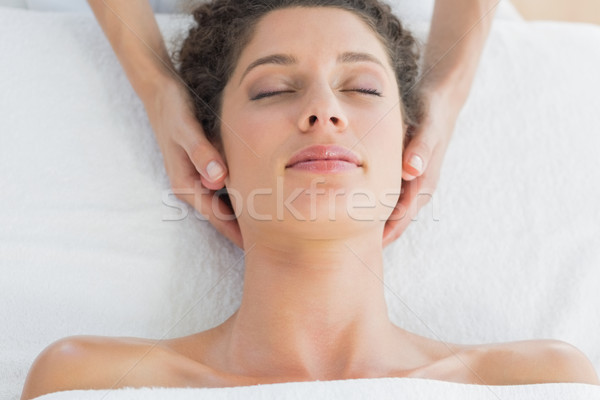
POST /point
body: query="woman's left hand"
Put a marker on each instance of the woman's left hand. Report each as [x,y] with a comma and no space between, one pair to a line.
[422,163]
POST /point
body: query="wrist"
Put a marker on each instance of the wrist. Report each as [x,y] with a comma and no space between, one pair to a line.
[443,100]
[152,83]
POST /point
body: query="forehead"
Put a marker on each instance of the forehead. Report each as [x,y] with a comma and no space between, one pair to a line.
[312,31]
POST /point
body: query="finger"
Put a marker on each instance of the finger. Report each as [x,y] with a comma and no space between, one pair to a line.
[184,189]
[187,186]
[213,185]
[395,226]
[416,156]
[209,163]
[182,173]
[204,156]
[207,203]
[403,213]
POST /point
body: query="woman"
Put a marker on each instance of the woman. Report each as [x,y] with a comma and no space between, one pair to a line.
[459,29]
[304,98]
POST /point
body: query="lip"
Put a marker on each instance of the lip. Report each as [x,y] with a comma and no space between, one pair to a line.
[324,158]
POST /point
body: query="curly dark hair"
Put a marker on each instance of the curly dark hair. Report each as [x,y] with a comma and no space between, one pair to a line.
[211,50]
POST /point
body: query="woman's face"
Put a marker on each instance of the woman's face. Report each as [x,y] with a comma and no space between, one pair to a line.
[312,77]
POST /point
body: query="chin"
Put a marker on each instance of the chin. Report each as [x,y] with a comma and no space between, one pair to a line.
[316,206]
[330,214]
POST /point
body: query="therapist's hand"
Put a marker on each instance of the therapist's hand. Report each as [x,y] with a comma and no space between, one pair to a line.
[458,32]
[422,163]
[188,156]
[194,166]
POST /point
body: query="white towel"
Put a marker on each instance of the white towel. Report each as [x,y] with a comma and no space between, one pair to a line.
[380,389]
[507,249]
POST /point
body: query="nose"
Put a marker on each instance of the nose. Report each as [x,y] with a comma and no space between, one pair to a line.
[322,112]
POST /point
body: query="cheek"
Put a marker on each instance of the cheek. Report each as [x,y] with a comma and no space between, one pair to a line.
[250,143]
[250,134]
[238,138]
[385,145]
[242,157]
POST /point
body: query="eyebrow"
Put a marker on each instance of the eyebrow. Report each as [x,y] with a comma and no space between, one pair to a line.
[285,59]
[278,59]
[355,57]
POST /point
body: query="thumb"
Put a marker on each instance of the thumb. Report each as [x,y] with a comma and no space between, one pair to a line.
[206,159]
[416,156]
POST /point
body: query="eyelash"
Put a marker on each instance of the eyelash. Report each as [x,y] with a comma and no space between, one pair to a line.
[374,92]
[259,96]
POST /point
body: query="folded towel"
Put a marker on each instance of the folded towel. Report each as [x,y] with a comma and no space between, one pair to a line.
[380,389]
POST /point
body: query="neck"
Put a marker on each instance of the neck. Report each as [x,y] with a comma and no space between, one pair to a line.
[311,309]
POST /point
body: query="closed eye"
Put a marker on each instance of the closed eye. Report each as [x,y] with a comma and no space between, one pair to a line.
[270,94]
[373,92]
[263,95]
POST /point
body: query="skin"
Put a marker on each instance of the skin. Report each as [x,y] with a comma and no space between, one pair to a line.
[313,305]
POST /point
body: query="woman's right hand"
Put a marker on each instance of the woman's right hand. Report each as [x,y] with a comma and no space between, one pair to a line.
[194,166]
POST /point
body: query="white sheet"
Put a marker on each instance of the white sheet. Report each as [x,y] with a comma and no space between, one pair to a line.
[507,250]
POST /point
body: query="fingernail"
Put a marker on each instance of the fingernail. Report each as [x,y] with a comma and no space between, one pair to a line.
[416,162]
[214,170]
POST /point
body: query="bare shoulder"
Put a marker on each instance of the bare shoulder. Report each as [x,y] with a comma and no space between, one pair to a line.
[93,362]
[534,361]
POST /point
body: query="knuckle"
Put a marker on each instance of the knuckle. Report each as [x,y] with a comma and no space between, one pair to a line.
[422,147]
[199,150]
